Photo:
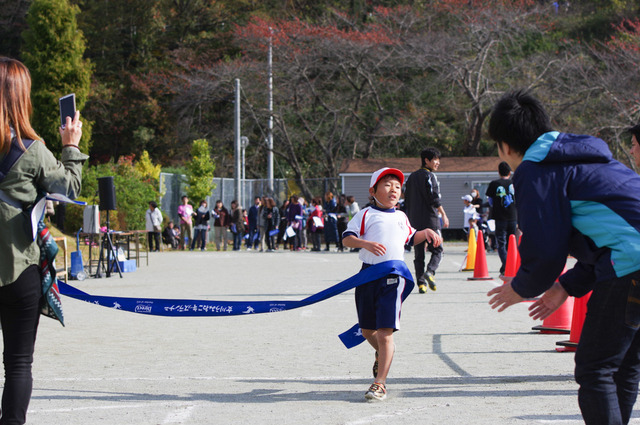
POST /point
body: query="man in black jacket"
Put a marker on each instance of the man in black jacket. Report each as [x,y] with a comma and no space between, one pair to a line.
[424,208]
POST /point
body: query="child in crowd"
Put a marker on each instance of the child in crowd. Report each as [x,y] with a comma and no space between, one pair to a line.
[381,231]
[469,212]
[576,199]
[316,223]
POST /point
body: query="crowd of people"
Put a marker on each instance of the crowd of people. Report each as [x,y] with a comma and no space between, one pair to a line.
[297,225]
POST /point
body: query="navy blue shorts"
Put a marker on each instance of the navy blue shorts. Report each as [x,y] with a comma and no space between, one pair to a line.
[379,302]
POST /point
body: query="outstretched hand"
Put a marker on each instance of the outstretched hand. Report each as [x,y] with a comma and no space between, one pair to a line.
[549,302]
[503,297]
[432,237]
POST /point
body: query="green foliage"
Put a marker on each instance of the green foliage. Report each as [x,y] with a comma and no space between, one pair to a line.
[358,78]
[133,194]
[53,51]
[146,168]
[174,170]
[200,171]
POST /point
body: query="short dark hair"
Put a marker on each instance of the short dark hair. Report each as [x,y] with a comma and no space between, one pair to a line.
[635,131]
[429,154]
[518,119]
[504,169]
[153,204]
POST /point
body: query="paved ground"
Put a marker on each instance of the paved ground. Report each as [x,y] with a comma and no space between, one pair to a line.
[457,361]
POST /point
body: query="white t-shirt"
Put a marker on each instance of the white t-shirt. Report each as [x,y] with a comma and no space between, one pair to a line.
[391,228]
[469,213]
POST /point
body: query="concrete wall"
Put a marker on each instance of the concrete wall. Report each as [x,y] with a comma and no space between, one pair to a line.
[452,187]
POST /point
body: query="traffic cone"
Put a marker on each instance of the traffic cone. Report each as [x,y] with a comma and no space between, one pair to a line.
[480,269]
[471,251]
[577,321]
[559,322]
[518,252]
[510,268]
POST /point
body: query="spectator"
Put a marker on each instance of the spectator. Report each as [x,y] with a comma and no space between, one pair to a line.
[343,219]
[478,205]
[237,225]
[254,230]
[352,206]
[271,215]
[153,225]
[303,224]
[262,225]
[294,221]
[221,222]
[202,216]
[282,226]
[34,171]
[169,235]
[185,211]
[502,200]
[330,207]
[316,223]
[469,212]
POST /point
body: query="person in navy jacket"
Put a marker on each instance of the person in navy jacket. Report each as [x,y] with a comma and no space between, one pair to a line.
[575,199]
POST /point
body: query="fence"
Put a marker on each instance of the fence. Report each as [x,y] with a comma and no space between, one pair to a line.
[173,187]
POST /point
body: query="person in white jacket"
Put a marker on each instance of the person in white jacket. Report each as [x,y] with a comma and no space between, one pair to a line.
[153,225]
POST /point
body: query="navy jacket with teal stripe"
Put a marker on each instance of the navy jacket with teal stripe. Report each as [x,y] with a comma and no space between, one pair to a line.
[574,198]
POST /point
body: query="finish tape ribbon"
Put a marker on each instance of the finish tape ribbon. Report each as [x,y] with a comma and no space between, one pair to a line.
[189,308]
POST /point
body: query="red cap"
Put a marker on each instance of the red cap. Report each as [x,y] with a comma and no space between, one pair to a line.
[375,177]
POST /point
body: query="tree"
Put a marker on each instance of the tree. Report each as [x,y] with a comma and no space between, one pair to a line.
[146,168]
[12,23]
[495,46]
[200,171]
[612,67]
[332,91]
[53,50]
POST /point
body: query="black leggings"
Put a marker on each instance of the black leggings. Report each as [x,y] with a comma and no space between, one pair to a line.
[19,315]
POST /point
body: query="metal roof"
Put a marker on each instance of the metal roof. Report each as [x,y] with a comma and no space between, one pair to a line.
[408,165]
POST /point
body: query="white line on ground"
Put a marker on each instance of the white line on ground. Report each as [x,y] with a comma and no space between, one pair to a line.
[93,407]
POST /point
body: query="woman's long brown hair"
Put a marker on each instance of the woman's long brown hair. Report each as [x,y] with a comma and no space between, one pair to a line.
[15,103]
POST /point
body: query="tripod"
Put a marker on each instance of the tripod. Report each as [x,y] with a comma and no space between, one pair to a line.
[112,257]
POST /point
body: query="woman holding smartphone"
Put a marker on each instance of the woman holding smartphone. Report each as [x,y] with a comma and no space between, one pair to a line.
[36,170]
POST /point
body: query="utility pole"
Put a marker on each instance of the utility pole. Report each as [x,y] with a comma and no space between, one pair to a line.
[270,126]
[236,128]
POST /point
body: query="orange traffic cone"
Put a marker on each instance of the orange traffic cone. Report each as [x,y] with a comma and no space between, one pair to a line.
[471,251]
[560,321]
[518,252]
[510,268]
[577,321]
[480,269]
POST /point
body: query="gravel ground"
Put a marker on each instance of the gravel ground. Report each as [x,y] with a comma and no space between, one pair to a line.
[457,361]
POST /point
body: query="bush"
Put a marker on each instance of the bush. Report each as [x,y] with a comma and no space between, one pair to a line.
[133,193]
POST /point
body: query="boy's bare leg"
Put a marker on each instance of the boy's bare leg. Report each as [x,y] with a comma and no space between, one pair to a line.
[382,341]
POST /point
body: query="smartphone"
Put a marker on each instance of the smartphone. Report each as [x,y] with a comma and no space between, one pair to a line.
[67,108]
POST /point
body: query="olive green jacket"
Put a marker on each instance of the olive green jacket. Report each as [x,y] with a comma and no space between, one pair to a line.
[36,170]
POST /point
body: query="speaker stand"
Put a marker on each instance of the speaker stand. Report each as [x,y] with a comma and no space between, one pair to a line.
[112,255]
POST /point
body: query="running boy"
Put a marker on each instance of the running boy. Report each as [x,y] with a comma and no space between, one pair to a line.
[574,198]
[381,231]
